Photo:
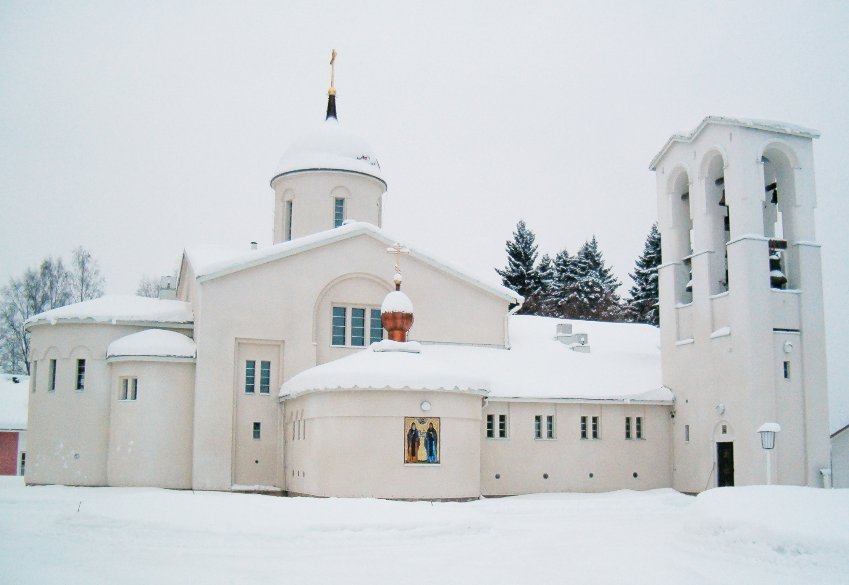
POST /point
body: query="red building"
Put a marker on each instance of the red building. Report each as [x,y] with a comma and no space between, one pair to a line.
[14,394]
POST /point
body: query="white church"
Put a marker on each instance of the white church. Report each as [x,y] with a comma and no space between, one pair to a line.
[337,362]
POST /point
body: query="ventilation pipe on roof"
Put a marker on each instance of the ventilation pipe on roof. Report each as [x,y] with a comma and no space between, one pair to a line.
[253,245]
[167,288]
[575,341]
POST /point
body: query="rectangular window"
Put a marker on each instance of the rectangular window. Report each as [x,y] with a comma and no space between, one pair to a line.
[80,374]
[288,220]
[264,377]
[490,426]
[338,212]
[686,433]
[639,423]
[583,427]
[129,388]
[257,430]
[502,426]
[33,381]
[51,380]
[358,327]
[538,427]
[23,463]
[338,325]
[549,426]
[250,376]
[786,370]
[596,428]
[627,427]
[376,327]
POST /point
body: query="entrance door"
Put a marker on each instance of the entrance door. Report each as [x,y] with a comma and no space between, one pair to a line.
[725,464]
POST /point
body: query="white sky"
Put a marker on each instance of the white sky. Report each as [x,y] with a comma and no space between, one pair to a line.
[137,129]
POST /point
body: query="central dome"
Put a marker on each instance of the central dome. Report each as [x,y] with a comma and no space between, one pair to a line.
[333,148]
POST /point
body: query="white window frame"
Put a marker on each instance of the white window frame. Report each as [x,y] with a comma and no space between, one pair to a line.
[128,389]
[256,431]
[349,325]
[544,427]
[639,428]
[80,383]
[339,221]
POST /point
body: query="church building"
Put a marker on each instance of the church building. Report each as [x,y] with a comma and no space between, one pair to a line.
[338,362]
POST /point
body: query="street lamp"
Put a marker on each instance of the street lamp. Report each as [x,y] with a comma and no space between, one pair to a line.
[767,432]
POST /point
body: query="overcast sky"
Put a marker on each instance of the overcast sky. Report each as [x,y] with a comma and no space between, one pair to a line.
[139,129]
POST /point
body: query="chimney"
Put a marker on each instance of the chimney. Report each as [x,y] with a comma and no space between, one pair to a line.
[253,245]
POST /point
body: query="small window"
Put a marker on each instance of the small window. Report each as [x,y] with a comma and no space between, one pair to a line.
[627,427]
[538,427]
[549,426]
[596,427]
[502,426]
[639,427]
[786,370]
[490,426]
[129,389]
[686,433]
[23,463]
[289,220]
[376,327]
[264,377]
[358,327]
[33,381]
[250,376]
[257,430]
[51,381]
[339,318]
[584,427]
[338,212]
[80,374]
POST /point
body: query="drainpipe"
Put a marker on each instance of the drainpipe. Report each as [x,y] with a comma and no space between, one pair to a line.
[507,325]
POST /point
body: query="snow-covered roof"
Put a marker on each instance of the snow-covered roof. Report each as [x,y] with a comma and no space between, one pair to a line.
[153,343]
[330,147]
[14,398]
[768,125]
[209,263]
[118,308]
[623,365]
[386,365]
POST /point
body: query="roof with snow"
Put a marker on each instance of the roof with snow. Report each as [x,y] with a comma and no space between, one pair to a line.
[118,309]
[623,365]
[768,125]
[14,397]
[211,263]
[332,148]
[153,343]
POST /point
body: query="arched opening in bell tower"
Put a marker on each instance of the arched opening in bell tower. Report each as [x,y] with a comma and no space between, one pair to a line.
[682,230]
[779,203]
[719,220]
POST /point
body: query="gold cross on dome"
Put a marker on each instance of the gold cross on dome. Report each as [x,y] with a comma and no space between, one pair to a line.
[333,69]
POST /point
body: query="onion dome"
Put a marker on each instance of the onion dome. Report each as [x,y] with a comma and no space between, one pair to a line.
[396,315]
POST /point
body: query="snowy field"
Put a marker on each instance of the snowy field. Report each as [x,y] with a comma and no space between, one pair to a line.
[131,535]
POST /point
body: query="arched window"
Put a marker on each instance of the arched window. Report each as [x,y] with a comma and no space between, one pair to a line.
[682,228]
[719,221]
[778,215]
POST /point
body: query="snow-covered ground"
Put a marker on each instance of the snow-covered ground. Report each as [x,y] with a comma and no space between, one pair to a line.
[752,535]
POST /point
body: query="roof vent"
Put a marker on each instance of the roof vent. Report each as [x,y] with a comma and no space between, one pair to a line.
[575,341]
[167,288]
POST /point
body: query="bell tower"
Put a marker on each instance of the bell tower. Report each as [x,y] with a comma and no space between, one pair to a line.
[741,309]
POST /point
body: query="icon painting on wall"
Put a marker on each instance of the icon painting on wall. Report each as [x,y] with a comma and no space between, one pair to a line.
[421,439]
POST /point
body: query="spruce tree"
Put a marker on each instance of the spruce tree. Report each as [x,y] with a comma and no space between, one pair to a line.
[546,279]
[520,274]
[593,295]
[644,296]
[562,286]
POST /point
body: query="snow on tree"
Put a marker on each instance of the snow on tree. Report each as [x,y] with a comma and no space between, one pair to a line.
[546,280]
[148,287]
[520,274]
[562,285]
[36,291]
[644,296]
[593,295]
[86,280]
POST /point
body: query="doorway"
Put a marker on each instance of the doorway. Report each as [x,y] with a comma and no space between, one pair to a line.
[725,464]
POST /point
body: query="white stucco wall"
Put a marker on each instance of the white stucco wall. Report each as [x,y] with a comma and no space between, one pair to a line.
[840,459]
[69,429]
[150,438]
[287,302]
[352,445]
[521,460]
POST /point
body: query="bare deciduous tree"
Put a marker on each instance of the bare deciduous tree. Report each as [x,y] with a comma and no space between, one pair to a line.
[86,280]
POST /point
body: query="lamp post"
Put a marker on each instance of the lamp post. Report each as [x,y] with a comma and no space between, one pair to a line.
[767,432]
